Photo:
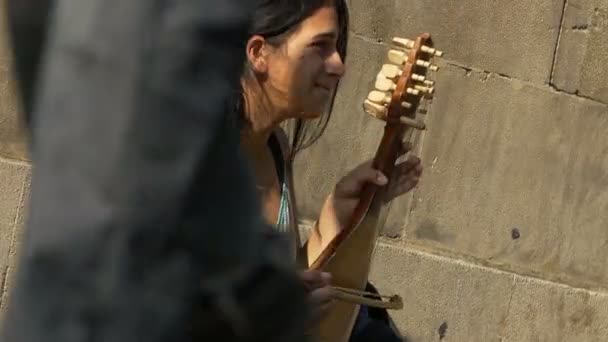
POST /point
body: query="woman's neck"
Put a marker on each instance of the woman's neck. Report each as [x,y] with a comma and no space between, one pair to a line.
[260,121]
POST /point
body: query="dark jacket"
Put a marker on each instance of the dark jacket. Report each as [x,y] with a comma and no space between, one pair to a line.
[143,224]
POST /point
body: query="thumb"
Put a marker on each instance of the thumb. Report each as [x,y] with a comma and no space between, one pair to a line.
[353,183]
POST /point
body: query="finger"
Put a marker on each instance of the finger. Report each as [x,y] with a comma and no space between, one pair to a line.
[310,279]
[418,170]
[321,296]
[413,164]
[315,279]
[401,188]
[353,183]
[407,173]
[406,147]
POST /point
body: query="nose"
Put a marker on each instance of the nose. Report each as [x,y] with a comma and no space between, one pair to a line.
[334,65]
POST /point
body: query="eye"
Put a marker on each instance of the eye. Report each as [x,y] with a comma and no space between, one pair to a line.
[324,46]
[320,43]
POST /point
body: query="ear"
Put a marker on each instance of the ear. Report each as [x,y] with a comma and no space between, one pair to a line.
[256,53]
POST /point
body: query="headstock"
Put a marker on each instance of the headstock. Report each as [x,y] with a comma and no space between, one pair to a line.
[403,81]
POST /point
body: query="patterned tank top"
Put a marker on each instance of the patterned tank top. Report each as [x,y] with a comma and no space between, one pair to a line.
[283,224]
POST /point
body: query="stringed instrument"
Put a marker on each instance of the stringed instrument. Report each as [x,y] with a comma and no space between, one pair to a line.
[400,87]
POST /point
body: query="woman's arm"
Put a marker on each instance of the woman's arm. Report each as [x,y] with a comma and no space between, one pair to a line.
[324,230]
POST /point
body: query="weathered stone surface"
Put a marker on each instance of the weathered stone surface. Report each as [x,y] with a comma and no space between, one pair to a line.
[469,302]
[582,55]
[543,311]
[15,241]
[12,178]
[515,174]
[472,303]
[502,158]
[516,38]
[12,142]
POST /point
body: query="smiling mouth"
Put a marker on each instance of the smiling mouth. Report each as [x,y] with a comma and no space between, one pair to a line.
[326,88]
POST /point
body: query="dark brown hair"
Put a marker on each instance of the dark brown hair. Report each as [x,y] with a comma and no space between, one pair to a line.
[275,20]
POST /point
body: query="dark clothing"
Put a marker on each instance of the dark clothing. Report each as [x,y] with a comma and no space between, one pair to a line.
[373,325]
[141,203]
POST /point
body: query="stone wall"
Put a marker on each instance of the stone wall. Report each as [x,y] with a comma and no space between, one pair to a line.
[505,239]
[14,169]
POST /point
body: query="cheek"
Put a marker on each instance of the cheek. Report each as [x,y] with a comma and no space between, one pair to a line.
[308,73]
[279,77]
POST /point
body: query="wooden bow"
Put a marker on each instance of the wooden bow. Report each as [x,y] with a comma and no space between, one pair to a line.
[399,88]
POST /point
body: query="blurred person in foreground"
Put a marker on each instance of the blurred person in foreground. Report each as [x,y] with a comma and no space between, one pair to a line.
[131,232]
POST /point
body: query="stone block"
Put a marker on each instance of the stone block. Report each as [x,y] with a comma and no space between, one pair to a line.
[12,179]
[582,54]
[444,299]
[464,302]
[544,311]
[12,135]
[515,175]
[515,38]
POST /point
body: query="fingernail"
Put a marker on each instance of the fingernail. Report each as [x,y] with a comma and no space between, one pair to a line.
[382,178]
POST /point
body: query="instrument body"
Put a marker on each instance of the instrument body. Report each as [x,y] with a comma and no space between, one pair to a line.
[348,256]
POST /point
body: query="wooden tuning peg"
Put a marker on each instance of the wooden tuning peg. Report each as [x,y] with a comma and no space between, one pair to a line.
[399,58]
[390,71]
[385,84]
[418,78]
[408,44]
[376,110]
[426,90]
[382,98]
[379,112]
[428,65]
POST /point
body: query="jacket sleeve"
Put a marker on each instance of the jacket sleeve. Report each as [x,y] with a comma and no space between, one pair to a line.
[143,224]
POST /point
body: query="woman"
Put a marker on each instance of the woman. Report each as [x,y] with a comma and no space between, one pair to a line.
[294,59]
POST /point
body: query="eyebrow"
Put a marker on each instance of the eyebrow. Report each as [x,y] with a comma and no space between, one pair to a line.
[330,34]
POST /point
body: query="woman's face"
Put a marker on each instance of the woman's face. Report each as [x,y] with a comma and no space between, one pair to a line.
[302,73]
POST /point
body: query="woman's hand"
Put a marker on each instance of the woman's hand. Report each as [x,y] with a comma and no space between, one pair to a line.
[342,202]
[320,296]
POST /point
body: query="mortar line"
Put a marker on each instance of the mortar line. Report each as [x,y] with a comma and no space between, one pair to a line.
[17,162]
[470,261]
[367,39]
[13,243]
[509,304]
[559,39]
[528,83]
[454,63]
[3,283]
